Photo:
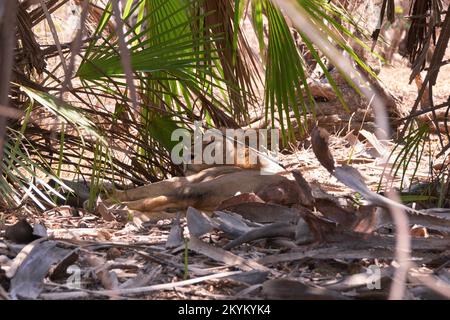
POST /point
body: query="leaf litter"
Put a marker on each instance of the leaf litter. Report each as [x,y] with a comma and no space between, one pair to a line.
[337,244]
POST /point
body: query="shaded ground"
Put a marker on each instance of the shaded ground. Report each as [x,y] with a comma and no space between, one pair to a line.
[151,261]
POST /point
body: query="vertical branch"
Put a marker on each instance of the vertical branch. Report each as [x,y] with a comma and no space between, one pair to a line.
[301,20]
[75,49]
[8,20]
[125,57]
[54,34]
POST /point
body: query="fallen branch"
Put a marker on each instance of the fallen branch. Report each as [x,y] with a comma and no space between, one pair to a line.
[133,291]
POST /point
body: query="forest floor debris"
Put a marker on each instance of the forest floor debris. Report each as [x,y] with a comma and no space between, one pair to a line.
[86,257]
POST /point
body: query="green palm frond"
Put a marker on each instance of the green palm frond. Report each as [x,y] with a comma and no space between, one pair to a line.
[286,79]
[26,170]
[408,153]
[168,56]
[66,112]
[26,175]
[286,76]
[190,61]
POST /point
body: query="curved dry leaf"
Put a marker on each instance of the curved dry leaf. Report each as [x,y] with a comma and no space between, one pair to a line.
[278,229]
[28,280]
[226,257]
[319,141]
[199,223]
[21,232]
[285,289]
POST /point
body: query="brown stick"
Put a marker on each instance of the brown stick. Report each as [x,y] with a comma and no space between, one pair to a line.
[8,20]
